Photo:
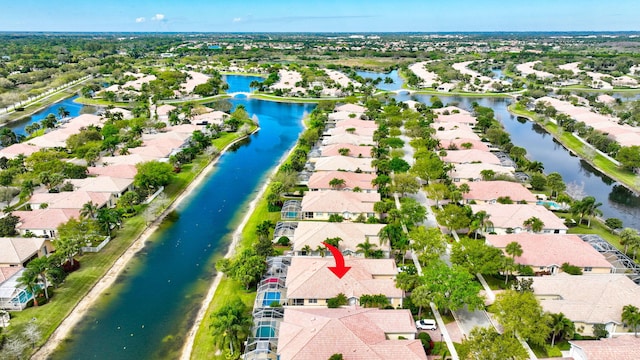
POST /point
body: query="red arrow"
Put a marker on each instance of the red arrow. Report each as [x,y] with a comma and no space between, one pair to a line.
[339,270]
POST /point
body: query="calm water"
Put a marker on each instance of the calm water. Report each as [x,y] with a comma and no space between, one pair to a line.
[239,83]
[616,200]
[153,306]
[72,107]
[397,80]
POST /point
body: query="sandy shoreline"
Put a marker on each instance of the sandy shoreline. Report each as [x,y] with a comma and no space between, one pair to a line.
[78,312]
[191,336]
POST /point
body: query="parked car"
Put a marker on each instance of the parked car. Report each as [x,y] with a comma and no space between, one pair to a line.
[426,324]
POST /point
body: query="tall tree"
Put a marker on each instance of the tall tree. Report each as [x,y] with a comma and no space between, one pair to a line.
[88,210]
[230,325]
[428,243]
[488,344]
[512,249]
[631,317]
[534,224]
[450,288]
[31,281]
[40,266]
[477,257]
[562,327]
[520,313]
[555,183]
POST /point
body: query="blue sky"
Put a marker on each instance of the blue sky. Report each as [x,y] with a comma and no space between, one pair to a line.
[319,16]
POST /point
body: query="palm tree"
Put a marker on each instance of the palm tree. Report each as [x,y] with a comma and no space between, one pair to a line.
[513,249]
[107,218]
[230,325]
[366,248]
[631,317]
[480,221]
[68,247]
[337,183]
[628,238]
[62,112]
[535,166]
[29,279]
[322,250]
[88,210]
[389,234]
[263,229]
[534,224]
[40,266]
[590,208]
[561,325]
[306,250]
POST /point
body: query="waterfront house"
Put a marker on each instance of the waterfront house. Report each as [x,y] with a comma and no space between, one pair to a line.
[509,218]
[115,186]
[320,181]
[125,171]
[489,191]
[71,199]
[588,299]
[320,205]
[359,151]
[546,253]
[348,138]
[44,222]
[307,285]
[358,333]
[456,118]
[451,110]
[342,163]
[311,235]
[352,108]
[462,143]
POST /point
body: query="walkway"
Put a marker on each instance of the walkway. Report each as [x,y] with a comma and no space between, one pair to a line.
[43,96]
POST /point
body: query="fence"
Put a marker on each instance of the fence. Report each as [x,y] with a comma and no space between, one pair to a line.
[95,249]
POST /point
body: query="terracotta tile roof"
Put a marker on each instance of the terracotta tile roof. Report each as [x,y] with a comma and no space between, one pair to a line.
[131,159]
[164,110]
[552,249]
[456,119]
[102,184]
[313,233]
[593,298]
[15,251]
[476,144]
[451,110]
[365,131]
[353,108]
[357,123]
[618,348]
[14,150]
[125,171]
[354,150]
[320,180]
[491,190]
[456,134]
[307,278]
[70,199]
[513,215]
[339,201]
[470,156]
[354,332]
[472,171]
[7,272]
[348,139]
[345,163]
[44,219]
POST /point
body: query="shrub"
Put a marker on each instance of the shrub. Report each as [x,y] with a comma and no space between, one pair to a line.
[283,241]
[571,269]
[336,218]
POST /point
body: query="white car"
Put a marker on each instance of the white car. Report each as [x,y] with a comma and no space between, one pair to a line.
[426,324]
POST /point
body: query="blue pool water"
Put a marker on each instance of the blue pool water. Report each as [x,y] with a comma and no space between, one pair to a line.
[269,297]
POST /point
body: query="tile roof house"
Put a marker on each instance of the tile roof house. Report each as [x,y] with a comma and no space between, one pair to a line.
[362,131]
[347,138]
[490,191]
[320,205]
[71,199]
[342,163]
[307,283]
[460,118]
[358,334]
[352,108]
[470,156]
[320,180]
[125,171]
[618,348]
[510,217]
[458,144]
[336,117]
[126,114]
[313,233]
[451,110]
[104,184]
[17,252]
[472,172]
[357,123]
[44,222]
[12,151]
[588,299]
[547,252]
[163,111]
[444,135]
[354,150]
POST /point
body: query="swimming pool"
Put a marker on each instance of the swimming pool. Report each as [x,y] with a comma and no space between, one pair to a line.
[265,332]
[269,297]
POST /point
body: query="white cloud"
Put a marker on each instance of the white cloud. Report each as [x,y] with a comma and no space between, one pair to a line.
[140,20]
[236,20]
[158,17]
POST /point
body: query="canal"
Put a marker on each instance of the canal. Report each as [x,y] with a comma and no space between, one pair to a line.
[617,201]
[147,314]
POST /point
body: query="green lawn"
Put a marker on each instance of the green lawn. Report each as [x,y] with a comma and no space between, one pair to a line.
[101,102]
